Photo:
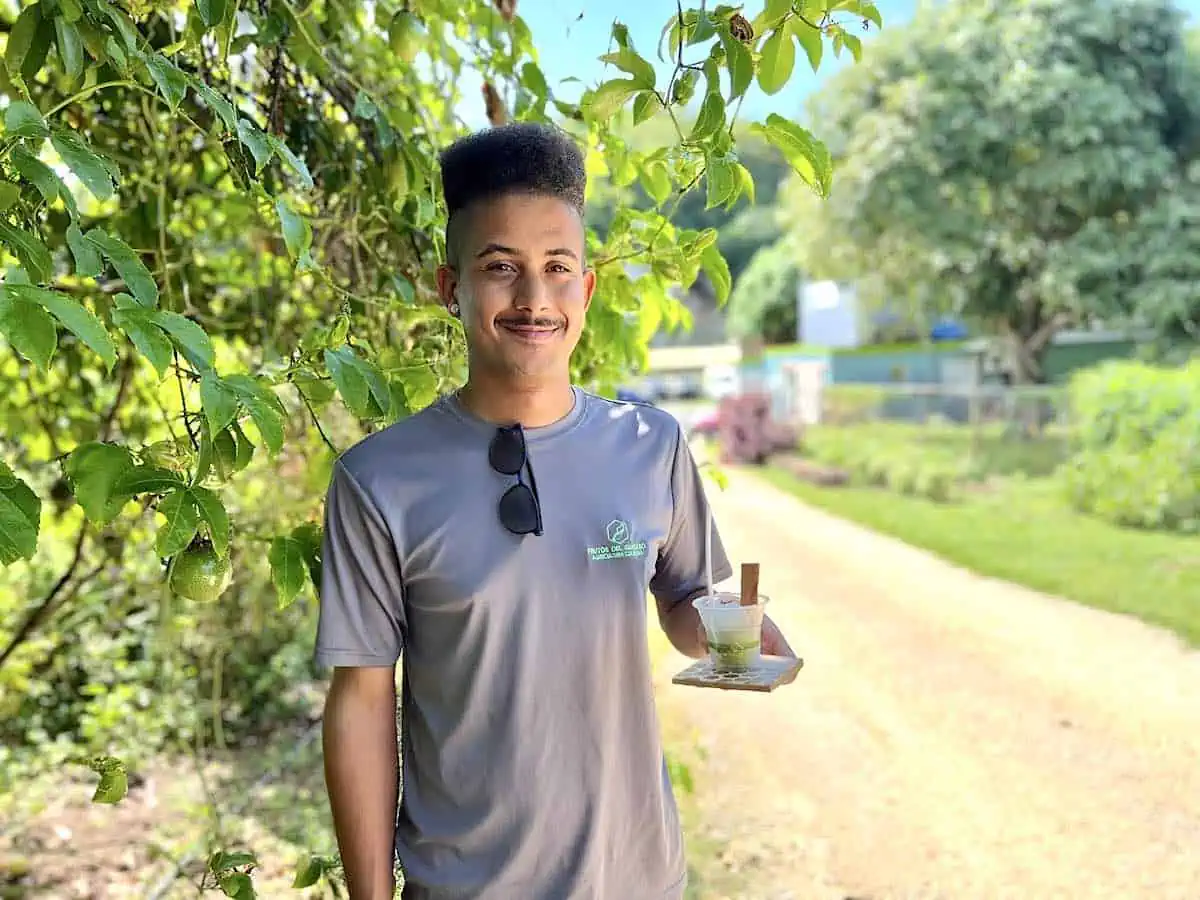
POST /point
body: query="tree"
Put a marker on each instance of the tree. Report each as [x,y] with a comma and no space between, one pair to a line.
[764,300]
[220,223]
[1025,163]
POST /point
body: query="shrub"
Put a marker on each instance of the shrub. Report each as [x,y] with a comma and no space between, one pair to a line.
[1136,445]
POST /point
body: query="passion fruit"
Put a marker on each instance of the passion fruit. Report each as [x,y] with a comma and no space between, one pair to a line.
[199,573]
[404,35]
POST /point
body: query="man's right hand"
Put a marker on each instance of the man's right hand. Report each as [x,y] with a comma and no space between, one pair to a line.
[361,766]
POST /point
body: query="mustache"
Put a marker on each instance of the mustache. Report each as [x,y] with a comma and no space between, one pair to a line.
[532,321]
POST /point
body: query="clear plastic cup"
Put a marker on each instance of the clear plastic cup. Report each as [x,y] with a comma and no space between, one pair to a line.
[734,631]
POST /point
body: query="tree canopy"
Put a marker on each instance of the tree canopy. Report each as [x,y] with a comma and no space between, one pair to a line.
[1028,164]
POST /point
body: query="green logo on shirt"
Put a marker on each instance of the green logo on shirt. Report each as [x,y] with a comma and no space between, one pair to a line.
[620,543]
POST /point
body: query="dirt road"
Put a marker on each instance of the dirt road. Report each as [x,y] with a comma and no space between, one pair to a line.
[950,737]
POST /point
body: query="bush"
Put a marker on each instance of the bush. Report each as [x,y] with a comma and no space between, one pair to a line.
[895,465]
[1136,445]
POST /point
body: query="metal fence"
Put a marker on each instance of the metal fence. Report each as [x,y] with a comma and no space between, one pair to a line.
[1011,429]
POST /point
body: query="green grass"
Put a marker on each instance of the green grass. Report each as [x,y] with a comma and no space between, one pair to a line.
[1023,532]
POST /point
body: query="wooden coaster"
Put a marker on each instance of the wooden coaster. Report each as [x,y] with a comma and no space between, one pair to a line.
[767,674]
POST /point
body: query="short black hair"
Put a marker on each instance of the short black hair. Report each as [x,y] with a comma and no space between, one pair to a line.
[521,157]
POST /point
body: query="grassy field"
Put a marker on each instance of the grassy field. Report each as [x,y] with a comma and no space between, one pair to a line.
[1014,524]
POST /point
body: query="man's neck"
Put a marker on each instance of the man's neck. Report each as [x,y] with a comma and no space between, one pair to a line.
[504,403]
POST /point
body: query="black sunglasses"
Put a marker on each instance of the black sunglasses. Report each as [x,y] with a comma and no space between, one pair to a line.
[520,510]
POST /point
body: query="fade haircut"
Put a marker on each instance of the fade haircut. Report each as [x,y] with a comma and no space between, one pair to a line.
[518,158]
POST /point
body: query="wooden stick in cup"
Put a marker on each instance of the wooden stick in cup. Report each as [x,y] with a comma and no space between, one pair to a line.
[749,584]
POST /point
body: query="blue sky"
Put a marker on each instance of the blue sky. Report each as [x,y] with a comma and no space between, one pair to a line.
[571,34]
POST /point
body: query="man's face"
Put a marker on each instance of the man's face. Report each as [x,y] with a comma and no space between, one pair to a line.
[520,283]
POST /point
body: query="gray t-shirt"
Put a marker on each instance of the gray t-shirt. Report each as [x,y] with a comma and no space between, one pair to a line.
[532,763]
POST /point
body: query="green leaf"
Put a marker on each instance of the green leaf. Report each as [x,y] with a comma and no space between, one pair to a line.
[182,521]
[212,510]
[257,143]
[189,337]
[71,10]
[604,103]
[212,12]
[807,156]
[114,783]
[534,80]
[75,317]
[143,332]
[237,886]
[645,106]
[45,179]
[9,195]
[720,182]
[88,263]
[351,383]
[710,119]
[219,401]
[226,860]
[217,103]
[739,62]
[94,172]
[656,181]
[29,329]
[20,518]
[717,270]
[21,39]
[171,82]
[777,61]
[288,569]
[420,387]
[295,163]
[811,39]
[310,538]
[629,61]
[35,59]
[70,48]
[308,873]
[147,480]
[126,28]
[853,43]
[297,233]
[29,249]
[268,421]
[94,470]
[23,119]
[131,269]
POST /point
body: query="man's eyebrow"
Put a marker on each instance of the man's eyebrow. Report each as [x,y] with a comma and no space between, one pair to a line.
[563,251]
[496,248]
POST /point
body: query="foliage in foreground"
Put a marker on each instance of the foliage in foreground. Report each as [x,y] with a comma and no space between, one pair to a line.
[1026,165]
[1136,437]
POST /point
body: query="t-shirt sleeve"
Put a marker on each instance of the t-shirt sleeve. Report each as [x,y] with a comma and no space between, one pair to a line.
[679,572]
[361,620]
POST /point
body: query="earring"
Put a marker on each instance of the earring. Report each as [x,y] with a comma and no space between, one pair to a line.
[454,309]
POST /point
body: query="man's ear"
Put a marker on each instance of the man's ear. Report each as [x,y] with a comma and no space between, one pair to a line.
[589,287]
[447,285]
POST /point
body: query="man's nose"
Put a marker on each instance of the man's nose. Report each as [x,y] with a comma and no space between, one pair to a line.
[532,294]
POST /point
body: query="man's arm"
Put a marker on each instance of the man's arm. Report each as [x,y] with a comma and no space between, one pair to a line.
[360,634]
[359,733]
[681,623]
[679,573]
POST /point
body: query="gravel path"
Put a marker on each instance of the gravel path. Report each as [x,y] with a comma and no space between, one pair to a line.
[950,737]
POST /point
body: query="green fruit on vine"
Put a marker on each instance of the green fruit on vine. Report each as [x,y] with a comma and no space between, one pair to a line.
[404,35]
[199,573]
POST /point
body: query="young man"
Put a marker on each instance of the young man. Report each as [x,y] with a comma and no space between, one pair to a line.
[500,544]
